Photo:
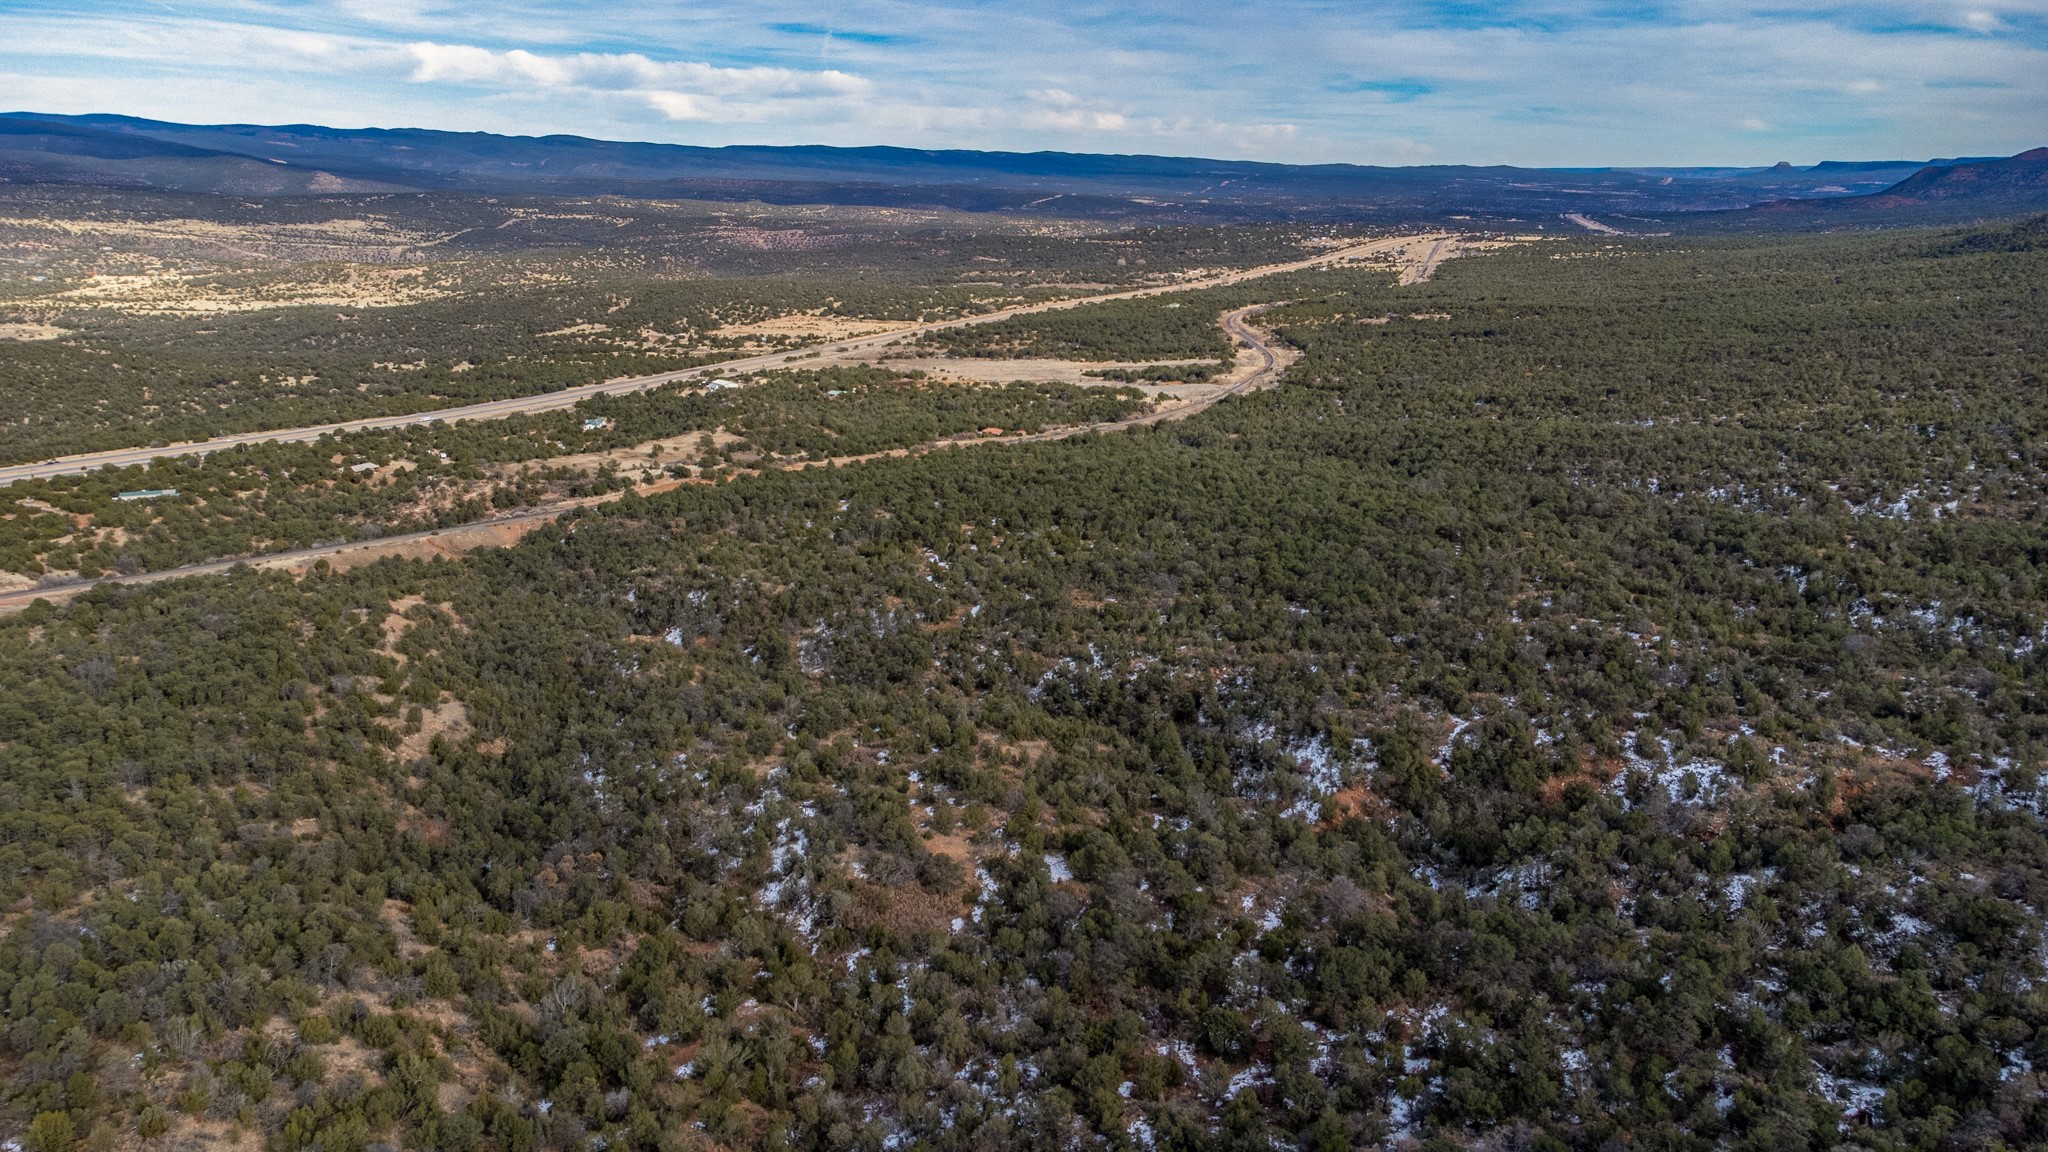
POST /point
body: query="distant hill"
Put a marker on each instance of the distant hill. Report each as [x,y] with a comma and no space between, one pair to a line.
[300,160]
[2029,235]
[53,151]
[1855,167]
[1952,192]
[2022,179]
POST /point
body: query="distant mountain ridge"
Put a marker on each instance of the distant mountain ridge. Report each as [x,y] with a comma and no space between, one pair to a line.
[2022,177]
[38,149]
[293,160]
[1961,192]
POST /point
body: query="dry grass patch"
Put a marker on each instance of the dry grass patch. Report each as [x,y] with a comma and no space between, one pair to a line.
[815,325]
[31,332]
[174,293]
[908,908]
[448,719]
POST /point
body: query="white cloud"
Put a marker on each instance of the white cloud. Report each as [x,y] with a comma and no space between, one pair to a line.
[1293,79]
[397,13]
[1063,111]
[467,63]
[680,105]
[678,90]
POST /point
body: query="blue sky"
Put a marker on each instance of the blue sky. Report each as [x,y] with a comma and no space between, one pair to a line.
[1539,82]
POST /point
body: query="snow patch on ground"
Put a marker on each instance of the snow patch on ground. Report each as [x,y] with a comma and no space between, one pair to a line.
[1688,781]
[1248,1079]
[1858,1099]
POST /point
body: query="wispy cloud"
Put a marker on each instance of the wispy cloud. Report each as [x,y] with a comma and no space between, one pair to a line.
[1523,81]
[798,28]
[679,90]
[1396,90]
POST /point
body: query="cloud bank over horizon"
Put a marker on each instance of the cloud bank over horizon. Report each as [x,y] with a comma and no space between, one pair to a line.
[1533,82]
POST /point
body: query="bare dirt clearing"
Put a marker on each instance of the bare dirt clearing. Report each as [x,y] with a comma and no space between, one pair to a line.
[173,293]
[1004,371]
[345,238]
[815,326]
[953,370]
[1417,258]
[31,332]
[449,719]
[652,454]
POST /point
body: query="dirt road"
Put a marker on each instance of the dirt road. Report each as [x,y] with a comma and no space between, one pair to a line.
[299,559]
[569,397]
[1592,225]
[507,528]
[1265,375]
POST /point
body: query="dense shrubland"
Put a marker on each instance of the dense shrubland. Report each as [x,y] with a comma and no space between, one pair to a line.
[126,380]
[275,497]
[481,300]
[1181,327]
[1607,717]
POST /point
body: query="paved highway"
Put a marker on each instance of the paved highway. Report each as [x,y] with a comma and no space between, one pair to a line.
[570,397]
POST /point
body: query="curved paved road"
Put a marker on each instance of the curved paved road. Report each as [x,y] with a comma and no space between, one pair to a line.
[570,397]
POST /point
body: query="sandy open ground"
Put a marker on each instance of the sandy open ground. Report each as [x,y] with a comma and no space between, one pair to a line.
[346,238]
[172,293]
[815,325]
[31,332]
[1004,371]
